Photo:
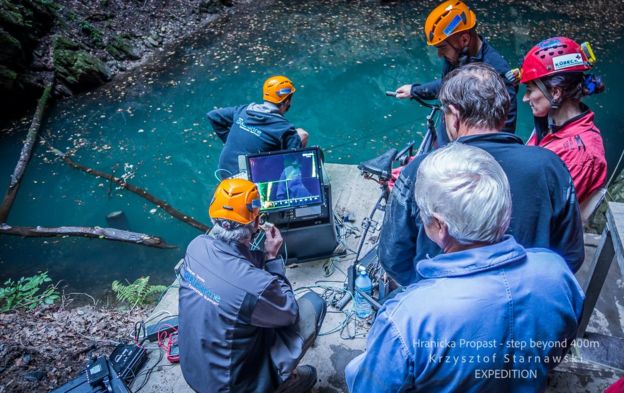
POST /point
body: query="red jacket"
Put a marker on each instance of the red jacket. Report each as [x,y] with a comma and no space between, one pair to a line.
[579,145]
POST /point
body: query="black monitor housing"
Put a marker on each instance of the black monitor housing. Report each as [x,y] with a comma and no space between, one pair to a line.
[296,197]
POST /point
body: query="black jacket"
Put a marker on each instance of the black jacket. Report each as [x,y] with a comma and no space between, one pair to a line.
[545,211]
[487,54]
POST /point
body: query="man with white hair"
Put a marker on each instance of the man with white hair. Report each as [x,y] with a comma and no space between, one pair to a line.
[545,210]
[474,320]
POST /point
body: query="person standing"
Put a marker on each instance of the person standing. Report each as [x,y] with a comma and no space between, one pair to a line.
[554,74]
[451,29]
[257,128]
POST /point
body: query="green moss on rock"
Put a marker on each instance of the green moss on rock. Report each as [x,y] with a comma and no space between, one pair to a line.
[93,33]
[12,15]
[11,52]
[77,68]
[61,42]
[121,49]
[8,78]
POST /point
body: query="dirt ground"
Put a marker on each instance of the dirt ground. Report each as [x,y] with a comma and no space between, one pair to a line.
[43,349]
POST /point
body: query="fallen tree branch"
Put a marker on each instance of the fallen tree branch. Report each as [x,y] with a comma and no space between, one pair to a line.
[137,190]
[90,232]
[25,154]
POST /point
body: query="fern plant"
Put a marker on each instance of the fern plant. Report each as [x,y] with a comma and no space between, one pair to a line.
[139,293]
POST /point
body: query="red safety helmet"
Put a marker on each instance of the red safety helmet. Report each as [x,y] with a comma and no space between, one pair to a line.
[556,55]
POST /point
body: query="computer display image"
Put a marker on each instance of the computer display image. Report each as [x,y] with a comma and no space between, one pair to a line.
[287,179]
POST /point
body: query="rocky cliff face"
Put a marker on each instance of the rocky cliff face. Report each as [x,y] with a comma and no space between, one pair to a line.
[84,43]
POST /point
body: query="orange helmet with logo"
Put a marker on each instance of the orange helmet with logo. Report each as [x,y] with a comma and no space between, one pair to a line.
[235,200]
[277,88]
[448,18]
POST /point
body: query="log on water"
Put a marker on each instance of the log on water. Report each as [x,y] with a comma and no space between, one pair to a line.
[130,187]
[90,232]
[25,155]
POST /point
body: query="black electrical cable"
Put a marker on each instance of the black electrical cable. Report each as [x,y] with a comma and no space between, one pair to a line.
[149,372]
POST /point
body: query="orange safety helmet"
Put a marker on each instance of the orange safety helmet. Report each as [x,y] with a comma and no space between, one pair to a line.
[235,200]
[277,88]
[446,19]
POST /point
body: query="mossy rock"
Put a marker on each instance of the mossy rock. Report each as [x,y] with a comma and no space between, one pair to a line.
[210,6]
[121,49]
[12,15]
[26,20]
[8,79]
[33,16]
[12,52]
[79,69]
[61,42]
[94,35]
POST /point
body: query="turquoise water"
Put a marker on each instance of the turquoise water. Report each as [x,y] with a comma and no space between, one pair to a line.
[150,123]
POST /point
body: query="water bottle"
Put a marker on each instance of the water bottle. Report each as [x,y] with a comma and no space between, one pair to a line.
[363,308]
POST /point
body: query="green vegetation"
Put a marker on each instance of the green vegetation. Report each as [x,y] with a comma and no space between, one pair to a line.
[27,293]
[139,293]
[9,44]
[11,14]
[615,193]
[65,43]
[121,49]
[93,33]
[76,66]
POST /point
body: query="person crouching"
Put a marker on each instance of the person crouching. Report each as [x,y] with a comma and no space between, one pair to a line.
[471,323]
[240,327]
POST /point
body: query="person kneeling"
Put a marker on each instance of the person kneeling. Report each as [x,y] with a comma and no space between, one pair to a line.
[472,323]
[240,327]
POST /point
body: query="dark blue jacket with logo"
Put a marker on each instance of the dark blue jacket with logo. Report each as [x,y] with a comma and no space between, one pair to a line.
[488,55]
[545,212]
[235,314]
[248,129]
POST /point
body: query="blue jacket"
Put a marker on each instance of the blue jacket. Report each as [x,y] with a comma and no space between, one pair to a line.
[545,211]
[247,129]
[236,313]
[487,54]
[459,328]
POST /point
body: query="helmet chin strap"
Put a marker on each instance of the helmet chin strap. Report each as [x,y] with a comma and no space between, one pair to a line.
[462,54]
[554,104]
